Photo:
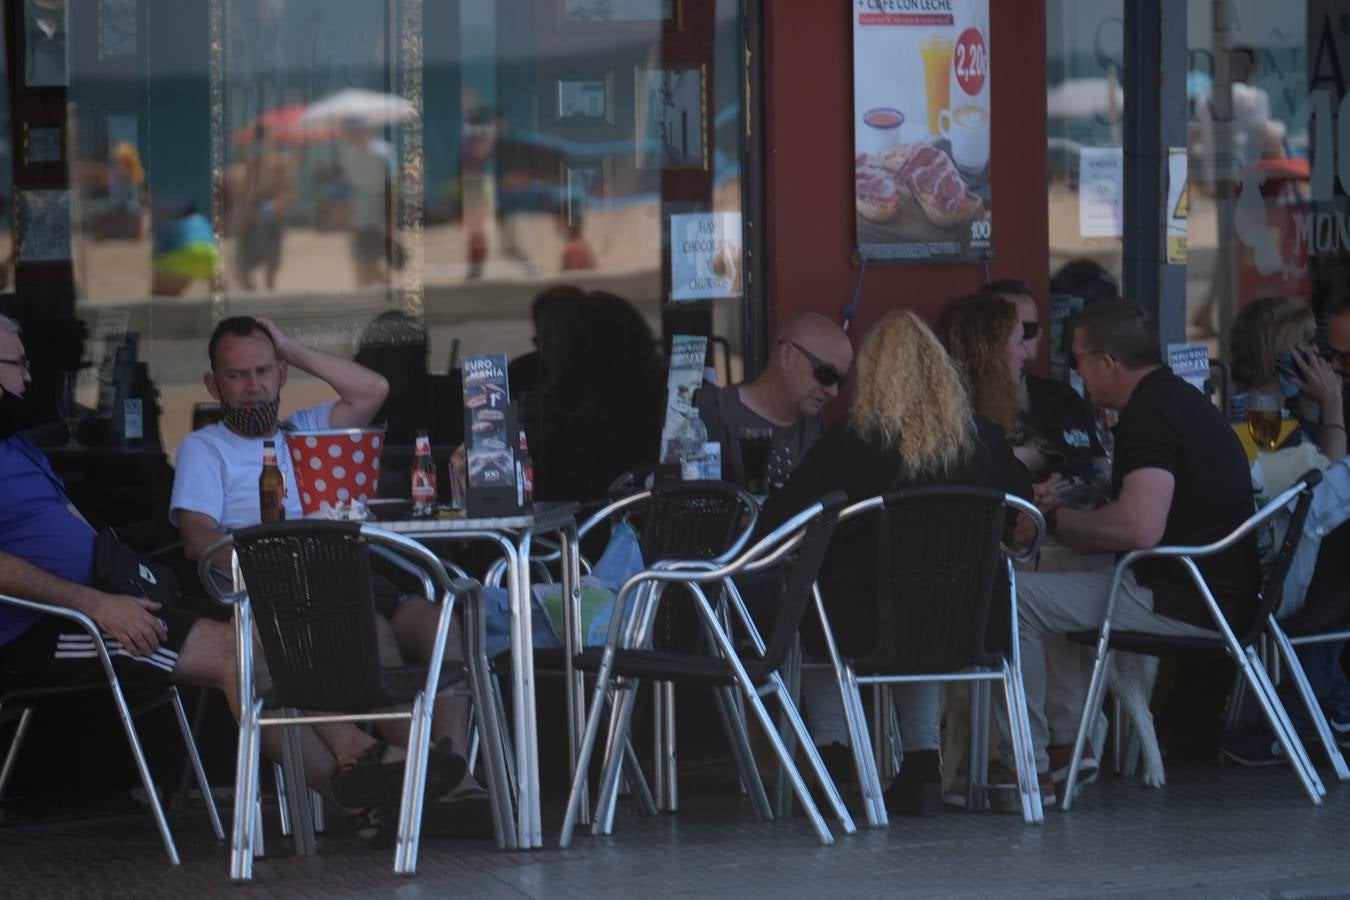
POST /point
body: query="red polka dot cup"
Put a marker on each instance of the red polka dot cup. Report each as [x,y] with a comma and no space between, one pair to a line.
[337,468]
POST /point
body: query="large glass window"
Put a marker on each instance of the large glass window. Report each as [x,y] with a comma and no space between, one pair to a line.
[1266,215]
[326,162]
[1085,104]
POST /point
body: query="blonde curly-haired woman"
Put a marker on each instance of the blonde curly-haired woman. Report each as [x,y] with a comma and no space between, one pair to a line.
[910,423]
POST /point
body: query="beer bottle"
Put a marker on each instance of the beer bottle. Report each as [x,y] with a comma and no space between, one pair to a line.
[524,472]
[271,487]
[423,476]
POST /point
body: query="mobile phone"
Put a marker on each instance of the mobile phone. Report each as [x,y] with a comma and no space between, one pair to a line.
[1284,364]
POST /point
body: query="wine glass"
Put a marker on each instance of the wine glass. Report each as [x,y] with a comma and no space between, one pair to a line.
[68,406]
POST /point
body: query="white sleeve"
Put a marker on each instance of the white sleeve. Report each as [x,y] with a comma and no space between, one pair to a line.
[313,418]
[198,481]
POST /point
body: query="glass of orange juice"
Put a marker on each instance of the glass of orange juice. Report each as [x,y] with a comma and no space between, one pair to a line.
[936,52]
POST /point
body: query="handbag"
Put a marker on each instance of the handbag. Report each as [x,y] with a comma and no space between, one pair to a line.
[120,570]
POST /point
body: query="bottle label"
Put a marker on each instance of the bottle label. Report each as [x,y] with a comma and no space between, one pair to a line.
[423,487]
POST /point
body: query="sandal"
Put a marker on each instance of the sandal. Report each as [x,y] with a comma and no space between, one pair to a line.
[370,825]
[367,781]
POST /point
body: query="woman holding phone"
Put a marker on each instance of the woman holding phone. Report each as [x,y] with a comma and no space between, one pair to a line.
[1273,355]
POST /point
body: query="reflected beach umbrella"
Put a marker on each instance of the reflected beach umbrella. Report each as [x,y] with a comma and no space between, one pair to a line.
[284,127]
[370,108]
[1082,98]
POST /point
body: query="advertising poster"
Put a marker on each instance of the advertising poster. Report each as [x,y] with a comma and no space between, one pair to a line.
[921,88]
[681,428]
[488,446]
[705,256]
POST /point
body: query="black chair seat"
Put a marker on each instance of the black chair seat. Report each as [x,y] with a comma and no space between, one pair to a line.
[403,682]
[1317,618]
[664,666]
[1183,648]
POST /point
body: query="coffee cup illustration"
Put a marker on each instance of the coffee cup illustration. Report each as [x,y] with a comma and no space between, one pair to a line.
[967,129]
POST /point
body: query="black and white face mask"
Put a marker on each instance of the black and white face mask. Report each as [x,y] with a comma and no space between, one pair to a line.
[252,421]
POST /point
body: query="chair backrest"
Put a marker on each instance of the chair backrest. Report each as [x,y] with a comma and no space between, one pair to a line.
[801,576]
[938,555]
[697,520]
[1272,591]
[309,588]
[690,520]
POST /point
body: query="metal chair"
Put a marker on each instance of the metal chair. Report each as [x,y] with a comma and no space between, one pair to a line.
[624,662]
[21,700]
[938,555]
[1323,618]
[310,584]
[1239,647]
[691,520]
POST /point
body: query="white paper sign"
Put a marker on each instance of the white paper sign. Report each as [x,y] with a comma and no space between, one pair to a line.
[1189,362]
[1101,177]
[705,256]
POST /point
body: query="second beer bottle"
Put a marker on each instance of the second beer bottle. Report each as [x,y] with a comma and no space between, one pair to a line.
[423,476]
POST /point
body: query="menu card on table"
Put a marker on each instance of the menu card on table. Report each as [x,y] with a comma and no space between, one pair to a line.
[488,430]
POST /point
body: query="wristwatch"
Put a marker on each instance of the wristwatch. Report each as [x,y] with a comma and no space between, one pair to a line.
[1051,517]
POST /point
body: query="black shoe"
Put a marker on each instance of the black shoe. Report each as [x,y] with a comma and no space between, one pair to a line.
[838,761]
[465,812]
[917,790]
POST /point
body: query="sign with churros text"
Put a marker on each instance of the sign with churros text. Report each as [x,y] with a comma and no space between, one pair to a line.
[921,123]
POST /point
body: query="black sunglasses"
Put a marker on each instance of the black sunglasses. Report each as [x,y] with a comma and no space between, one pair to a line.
[1030,330]
[824,372]
[1073,360]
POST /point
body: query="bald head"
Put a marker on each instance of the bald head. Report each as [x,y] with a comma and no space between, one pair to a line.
[805,348]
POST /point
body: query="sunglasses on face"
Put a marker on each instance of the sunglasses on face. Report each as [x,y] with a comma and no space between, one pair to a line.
[824,372]
[1030,330]
[1074,360]
[1342,357]
[21,362]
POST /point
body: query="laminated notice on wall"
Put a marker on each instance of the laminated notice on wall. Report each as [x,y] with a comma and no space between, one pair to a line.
[1101,181]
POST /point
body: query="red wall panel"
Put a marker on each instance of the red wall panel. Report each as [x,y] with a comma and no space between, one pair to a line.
[809,167]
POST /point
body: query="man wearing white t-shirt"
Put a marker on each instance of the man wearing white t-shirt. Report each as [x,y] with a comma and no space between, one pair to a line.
[215,487]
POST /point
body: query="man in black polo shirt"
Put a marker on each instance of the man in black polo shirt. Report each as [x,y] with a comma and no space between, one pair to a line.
[1061,426]
[1180,477]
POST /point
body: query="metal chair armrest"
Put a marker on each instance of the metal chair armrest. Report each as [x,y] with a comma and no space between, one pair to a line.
[206,574]
[385,553]
[63,612]
[1028,553]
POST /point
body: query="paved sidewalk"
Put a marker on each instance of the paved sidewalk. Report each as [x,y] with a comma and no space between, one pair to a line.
[1212,832]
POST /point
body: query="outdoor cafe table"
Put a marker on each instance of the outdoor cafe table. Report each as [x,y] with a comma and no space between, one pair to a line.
[514,535]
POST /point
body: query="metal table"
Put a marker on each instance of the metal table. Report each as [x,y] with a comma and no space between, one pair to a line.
[514,535]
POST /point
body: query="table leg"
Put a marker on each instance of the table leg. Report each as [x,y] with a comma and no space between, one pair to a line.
[573,640]
[522,663]
[521,688]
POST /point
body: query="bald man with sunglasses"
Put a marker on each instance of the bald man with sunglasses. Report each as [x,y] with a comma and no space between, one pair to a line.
[808,363]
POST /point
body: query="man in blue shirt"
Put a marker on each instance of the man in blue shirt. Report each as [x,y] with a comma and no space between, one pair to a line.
[47,555]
